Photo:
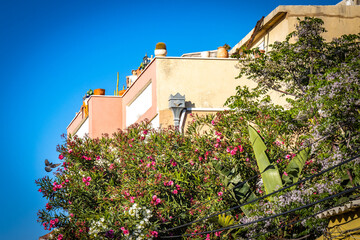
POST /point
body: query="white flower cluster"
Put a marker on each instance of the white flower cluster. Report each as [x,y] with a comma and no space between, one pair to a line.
[101,162]
[142,214]
[97,226]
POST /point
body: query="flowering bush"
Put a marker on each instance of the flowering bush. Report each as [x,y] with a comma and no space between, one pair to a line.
[132,185]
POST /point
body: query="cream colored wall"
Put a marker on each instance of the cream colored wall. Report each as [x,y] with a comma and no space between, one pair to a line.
[338,20]
[207,83]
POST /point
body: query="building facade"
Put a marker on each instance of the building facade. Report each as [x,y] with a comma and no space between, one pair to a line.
[205,80]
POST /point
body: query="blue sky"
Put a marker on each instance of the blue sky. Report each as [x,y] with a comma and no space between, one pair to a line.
[52,52]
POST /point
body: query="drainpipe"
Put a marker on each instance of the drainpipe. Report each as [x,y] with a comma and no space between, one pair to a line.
[182,120]
[176,104]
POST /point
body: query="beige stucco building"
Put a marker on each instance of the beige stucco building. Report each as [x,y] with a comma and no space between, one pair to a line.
[205,80]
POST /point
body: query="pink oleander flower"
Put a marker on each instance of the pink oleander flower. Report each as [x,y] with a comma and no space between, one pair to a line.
[132,199]
[218,234]
[39,190]
[48,206]
[154,233]
[130,145]
[285,173]
[97,157]
[153,163]
[87,183]
[241,149]
[200,159]
[228,149]
[61,157]
[220,194]
[173,164]
[88,179]
[192,163]
[60,237]
[170,183]
[112,166]
[213,123]
[247,159]
[175,192]
[288,156]
[84,179]
[145,132]
[207,237]
[70,151]
[154,197]
[233,152]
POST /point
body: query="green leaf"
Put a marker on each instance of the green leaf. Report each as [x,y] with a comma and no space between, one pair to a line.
[242,193]
[225,220]
[295,167]
[270,173]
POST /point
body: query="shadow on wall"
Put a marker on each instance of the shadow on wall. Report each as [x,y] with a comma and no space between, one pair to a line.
[189,104]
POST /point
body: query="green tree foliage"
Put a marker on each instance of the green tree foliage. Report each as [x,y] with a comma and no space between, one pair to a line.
[320,79]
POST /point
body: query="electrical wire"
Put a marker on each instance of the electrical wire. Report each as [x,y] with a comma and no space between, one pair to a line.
[266,218]
[302,219]
[263,197]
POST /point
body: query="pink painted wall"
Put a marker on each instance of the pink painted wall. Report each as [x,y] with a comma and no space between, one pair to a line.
[75,123]
[149,75]
[105,115]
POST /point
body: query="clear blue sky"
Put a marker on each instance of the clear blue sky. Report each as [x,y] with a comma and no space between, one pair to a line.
[52,52]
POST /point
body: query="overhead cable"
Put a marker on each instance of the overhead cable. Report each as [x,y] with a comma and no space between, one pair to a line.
[263,197]
[266,218]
